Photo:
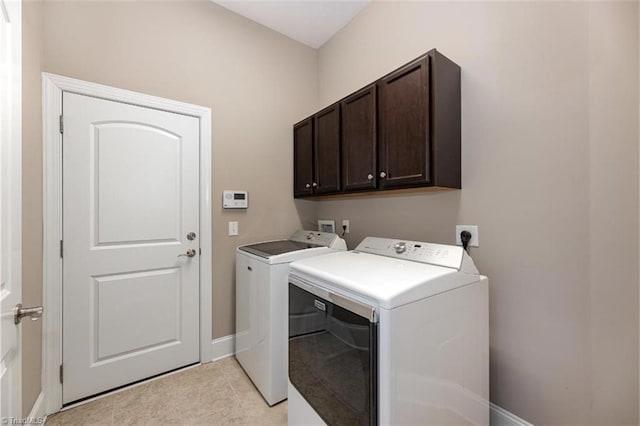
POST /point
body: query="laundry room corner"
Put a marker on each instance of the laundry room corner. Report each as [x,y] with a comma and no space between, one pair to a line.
[527,132]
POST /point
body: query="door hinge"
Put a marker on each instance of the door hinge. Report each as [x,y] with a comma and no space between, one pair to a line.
[62,124]
[61,374]
[61,249]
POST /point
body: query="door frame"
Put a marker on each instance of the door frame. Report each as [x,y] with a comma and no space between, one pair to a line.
[53,87]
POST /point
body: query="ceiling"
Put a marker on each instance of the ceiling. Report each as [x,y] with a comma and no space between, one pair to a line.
[311,22]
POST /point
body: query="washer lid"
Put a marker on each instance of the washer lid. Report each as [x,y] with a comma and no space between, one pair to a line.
[274,248]
[387,281]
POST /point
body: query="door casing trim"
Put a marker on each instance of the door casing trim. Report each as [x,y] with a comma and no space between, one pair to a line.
[53,87]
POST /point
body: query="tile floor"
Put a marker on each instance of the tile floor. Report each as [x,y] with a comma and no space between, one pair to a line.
[217,393]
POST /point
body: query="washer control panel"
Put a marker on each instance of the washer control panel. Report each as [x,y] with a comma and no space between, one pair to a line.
[326,239]
[416,251]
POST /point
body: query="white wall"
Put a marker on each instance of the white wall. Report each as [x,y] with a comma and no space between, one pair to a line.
[550,175]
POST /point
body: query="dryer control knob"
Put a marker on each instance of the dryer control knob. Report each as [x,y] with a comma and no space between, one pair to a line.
[400,247]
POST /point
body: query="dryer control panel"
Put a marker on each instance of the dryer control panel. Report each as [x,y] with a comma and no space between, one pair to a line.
[416,251]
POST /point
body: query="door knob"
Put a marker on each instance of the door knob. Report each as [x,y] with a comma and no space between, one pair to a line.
[383,175]
[308,186]
[314,184]
[189,253]
[19,312]
[191,236]
[370,176]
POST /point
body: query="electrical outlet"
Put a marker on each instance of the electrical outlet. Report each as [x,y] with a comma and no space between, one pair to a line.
[345,225]
[475,239]
[233,228]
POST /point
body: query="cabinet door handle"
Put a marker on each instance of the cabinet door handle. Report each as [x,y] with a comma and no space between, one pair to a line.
[315,184]
[370,176]
[383,175]
[308,186]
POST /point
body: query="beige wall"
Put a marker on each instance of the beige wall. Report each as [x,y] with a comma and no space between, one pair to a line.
[31,199]
[257,83]
[550,175]
[613,149]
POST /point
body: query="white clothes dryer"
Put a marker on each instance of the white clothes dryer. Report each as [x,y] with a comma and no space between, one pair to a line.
[261,305]
[392,333]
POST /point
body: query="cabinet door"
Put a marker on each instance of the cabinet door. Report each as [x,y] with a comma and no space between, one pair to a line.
[359,140]
[327,150]
[403,115]
[303,158]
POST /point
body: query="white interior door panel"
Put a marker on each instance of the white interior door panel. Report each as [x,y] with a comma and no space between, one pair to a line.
[130,197]
[10,209]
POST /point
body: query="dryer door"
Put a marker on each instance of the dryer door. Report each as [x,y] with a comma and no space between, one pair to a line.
[333,356]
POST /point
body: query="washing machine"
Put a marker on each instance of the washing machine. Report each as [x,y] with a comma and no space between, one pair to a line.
[261,305]
[392,333]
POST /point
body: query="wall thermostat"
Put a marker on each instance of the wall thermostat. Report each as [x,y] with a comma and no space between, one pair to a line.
[235,199]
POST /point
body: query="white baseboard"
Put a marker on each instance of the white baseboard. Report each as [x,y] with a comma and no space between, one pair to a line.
[38,407]
[223,347]
[501,417]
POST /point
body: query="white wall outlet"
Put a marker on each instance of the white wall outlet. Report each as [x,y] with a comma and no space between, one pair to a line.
[345,225]
[475,239]
[233,228]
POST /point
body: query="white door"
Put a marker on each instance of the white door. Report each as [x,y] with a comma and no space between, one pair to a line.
[130,215]
[10,209]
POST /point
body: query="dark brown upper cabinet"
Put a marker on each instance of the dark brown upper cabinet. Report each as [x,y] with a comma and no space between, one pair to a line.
[303,158]
[403,131]
[327,150]
[445,122]
[419,124]
[359,150]
[316,152]
[403,120]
